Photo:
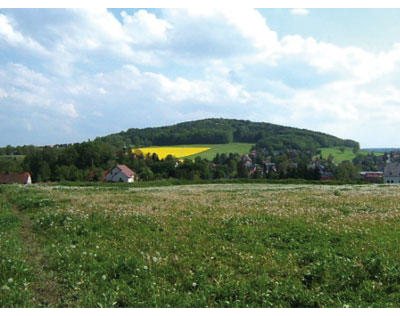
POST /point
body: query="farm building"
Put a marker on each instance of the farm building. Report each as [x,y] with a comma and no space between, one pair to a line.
[327,175]
[120,173]
[372,176]
[391,174]
[10,178]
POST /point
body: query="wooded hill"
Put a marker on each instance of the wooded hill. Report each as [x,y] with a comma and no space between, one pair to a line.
[222,131]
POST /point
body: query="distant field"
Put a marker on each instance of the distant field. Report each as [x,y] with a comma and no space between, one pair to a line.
[18,157]
[240,148]
[340,156]
[176,151]
[381,150]
[226,245]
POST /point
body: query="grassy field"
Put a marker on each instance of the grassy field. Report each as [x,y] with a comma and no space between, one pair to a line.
[215,245]
[17,157]
[240,148]
[340,156]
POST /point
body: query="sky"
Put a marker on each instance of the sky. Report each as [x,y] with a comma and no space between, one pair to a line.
[69,75]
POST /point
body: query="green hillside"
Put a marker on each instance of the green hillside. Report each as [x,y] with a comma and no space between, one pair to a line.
[240,148]
[340,155]
[226,131]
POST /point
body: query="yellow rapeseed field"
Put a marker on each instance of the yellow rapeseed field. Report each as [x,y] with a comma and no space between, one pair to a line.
[178,152]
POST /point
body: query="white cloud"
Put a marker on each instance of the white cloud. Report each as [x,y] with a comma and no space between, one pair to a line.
[145,28]
[3,93]
[354,64]
[16,39]
[69,109]
[299,11]
[28,125]
[184,64]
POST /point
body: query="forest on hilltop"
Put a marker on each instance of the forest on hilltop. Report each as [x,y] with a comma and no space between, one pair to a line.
[222,131]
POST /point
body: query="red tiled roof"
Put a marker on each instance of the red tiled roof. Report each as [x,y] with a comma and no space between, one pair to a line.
[373,175]
[126,171]
[14,178]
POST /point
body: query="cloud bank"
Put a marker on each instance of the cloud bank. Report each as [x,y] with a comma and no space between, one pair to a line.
[70,75]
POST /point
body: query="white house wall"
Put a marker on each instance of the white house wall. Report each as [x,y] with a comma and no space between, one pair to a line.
[391,180]
[116,175]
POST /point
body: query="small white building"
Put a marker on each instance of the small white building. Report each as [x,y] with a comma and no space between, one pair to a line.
[120,173]
[391,173]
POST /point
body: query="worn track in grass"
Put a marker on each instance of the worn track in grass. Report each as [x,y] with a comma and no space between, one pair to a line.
[45,287]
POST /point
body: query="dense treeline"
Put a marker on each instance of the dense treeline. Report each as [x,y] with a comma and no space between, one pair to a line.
[89,160]
[221,131]
[223,166]
[289,150]
[84,161]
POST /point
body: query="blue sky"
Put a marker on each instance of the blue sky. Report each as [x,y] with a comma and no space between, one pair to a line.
[69,75]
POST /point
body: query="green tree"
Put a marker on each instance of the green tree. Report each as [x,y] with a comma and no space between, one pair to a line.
[44,171]
[146,174]
[347,171]
[242,171]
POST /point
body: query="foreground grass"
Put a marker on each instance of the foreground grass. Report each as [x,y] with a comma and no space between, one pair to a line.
[230,245]
[15,271]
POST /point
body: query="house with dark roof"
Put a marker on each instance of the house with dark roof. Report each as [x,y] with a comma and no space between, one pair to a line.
[372,176]
[327,175]
[391,174]
[120,173]
[10,178]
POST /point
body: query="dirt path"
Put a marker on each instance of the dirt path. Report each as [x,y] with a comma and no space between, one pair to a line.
[45,287]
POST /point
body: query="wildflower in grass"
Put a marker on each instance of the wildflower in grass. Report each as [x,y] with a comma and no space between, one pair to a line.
[145,267]
[10,280]
[155,259]
[103,277]
[194,284]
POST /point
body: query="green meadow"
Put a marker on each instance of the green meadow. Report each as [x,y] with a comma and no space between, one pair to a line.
[16,157]
[239,148]
[339,155]
[211,245]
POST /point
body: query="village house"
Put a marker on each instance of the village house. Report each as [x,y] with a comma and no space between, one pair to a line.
[391,174]
[120,173]
[372,176]
[269,167]
[10,178]
[327,175]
